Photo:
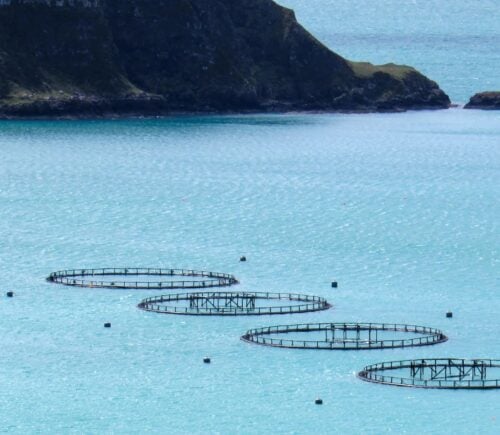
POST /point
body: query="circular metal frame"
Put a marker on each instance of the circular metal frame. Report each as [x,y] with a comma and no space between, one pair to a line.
[436,373]
[79,278]
[345,336]
[232,304]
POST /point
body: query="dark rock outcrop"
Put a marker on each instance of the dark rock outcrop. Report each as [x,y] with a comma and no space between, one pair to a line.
[485,101]
[105,57]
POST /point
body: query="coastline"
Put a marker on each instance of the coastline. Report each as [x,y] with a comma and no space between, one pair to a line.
[132,115]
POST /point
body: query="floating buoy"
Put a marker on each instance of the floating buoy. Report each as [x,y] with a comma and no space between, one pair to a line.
[107,325]
[243,258]
[318,401]
[335,284]
[206,360]
[449,314]
[10,294]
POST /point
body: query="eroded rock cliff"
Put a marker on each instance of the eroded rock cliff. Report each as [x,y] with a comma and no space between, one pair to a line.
[105,57]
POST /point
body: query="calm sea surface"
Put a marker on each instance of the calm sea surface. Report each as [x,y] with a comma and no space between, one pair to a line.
[454,42]
[401,209]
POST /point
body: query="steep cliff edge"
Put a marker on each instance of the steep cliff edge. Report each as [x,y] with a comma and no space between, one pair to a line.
[99,57]
[485,101]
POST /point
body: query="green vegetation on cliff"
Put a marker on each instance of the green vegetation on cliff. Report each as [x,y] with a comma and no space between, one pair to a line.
[98,57]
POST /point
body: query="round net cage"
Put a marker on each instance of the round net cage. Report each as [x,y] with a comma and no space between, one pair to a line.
[445,373]
[344,336]
[141,278]
[233,303]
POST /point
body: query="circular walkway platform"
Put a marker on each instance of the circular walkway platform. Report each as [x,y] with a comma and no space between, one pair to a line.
[233,303]
[344,336]
[444,373]
[123,278]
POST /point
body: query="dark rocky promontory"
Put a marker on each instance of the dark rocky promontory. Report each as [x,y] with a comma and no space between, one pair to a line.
[485,101]
[152,57]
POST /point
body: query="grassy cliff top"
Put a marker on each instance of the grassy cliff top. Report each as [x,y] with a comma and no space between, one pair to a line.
[367,70]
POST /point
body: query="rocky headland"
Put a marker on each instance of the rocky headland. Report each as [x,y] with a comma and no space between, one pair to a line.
[91,58]
[485,101]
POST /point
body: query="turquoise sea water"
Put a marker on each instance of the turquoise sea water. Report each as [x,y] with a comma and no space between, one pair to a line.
[401,209]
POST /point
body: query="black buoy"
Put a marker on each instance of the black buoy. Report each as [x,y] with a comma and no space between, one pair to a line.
[243,258]
[10,294]
[449,314]
[107,325]
[318,401]
[206,360]
[335,284]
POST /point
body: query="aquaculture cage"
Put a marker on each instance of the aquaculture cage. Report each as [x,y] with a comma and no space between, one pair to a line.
[445,373]
[233,303]
[135,278]
[344,336]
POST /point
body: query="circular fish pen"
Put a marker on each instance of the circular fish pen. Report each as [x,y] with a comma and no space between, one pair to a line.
[233,304]
[445,373]
[134,278]
[345,336]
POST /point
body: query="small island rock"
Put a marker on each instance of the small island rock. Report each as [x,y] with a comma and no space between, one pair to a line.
[485,101]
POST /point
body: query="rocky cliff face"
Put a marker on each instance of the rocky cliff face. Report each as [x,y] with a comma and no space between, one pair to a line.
[96,57]
[485,101]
